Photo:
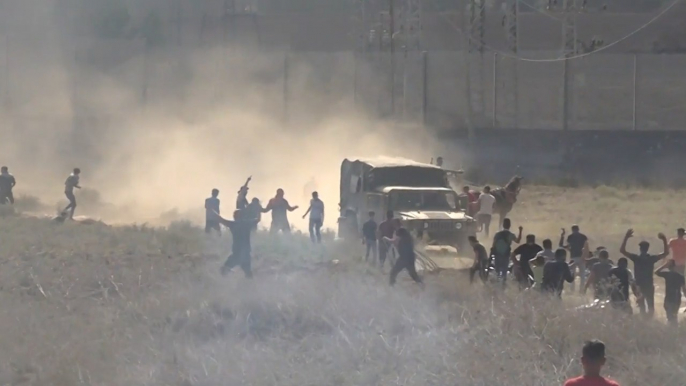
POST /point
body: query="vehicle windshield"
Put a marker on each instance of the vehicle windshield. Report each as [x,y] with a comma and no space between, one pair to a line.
[423,200]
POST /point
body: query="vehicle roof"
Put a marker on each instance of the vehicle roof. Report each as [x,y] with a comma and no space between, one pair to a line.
[388,189]
[391,162]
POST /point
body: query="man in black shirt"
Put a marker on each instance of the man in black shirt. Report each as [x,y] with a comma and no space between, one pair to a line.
[620,280]
[241,229]
[526,253]
[369,237]
[644,266]
[7,183]
[556,273]
[480,260]
[577,242]
[674,285]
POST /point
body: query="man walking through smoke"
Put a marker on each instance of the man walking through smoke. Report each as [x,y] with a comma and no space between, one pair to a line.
[280,207]
[7,183]
[212,213]
[316,212]
[69,185]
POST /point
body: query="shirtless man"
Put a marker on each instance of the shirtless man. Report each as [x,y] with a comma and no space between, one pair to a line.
[69,185]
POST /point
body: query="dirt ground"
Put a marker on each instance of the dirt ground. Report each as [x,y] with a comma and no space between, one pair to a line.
[94,304]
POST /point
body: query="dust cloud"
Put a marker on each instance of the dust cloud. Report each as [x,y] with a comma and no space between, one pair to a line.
[154,133]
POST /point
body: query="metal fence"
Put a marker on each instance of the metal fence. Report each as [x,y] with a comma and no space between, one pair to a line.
[441,89]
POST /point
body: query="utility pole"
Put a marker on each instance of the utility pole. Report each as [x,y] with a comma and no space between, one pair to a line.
[411,35]
[475,71]
[511,82]
[569,49]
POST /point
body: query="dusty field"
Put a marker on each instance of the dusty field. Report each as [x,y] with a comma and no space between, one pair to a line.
[98,305]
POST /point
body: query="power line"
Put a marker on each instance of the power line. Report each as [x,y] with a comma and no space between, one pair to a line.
[535,8]
[579,56]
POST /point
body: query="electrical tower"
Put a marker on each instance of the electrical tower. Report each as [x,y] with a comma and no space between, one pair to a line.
[379,27]
[475,69]
[410,34]
[239,17]
[511,81]
[570,48]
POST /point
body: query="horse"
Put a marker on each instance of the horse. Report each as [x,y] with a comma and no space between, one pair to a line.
[505,197]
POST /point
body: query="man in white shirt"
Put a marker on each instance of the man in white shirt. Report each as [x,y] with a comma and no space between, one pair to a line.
[486,204]
[316,212]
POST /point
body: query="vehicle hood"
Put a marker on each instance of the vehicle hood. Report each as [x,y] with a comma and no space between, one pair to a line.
[433,215]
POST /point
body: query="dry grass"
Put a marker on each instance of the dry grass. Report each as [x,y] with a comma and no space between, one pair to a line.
[98,305]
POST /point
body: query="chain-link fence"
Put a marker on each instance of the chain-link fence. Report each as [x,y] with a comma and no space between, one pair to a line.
[442,89]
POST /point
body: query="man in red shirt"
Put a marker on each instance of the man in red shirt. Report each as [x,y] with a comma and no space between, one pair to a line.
[678,248]
[592,360]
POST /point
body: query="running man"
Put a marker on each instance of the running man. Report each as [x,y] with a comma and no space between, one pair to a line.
[644,267]
[502,248]
[621,279]
[316,212]
[486,203]
[480,260]
[212,213]
[69,185]
[241,229]
[674,286]
[406,256]
[369,237]
[526,253]
[386,231]
[592,360]
[556,273]
[577,243]
[677,246]
[279,207]
[7,183]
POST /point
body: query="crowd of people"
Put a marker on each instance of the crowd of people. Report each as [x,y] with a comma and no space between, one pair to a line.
[247,216]
[541,267]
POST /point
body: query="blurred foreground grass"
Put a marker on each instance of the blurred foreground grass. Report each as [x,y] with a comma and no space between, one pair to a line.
[134,305]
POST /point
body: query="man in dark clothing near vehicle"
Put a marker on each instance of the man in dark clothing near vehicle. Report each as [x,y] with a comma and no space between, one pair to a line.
[386,230]
[212,213]
[526,253]
[369,237]
[480,260]
[7,183]
[279,207]
[621,279]
[577,243]
[502,248]
[599,277]
[404,242]
[556,273]
[644,267]
[241,229]
[674,286]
